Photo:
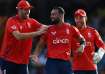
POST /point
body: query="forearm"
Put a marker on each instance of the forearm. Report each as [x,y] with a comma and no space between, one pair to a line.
[37,51]
[98,55]
[82,45]
[27,35]
[39,47]
[20,35]
[101,52]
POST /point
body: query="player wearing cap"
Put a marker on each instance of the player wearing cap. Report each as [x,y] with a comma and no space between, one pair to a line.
[58,40]
[17,41]
[85,63]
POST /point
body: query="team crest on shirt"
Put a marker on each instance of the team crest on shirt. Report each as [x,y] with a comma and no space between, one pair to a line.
[68,53]
[53,33]
[13,27]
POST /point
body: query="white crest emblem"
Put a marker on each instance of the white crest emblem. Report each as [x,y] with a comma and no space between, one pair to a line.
[53,33]
[13,27]
[68,53]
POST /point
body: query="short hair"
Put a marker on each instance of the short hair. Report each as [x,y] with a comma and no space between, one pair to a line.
[60,10]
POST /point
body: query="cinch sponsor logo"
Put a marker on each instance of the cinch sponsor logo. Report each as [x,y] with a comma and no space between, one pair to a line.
[62,41]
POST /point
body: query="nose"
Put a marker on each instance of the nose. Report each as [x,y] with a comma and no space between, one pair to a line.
[52,16]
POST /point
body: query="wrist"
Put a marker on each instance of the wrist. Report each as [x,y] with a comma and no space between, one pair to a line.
[81,48]
[101,52]
[35,33]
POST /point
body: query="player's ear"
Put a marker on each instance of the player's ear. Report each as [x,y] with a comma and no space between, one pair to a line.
[17,8]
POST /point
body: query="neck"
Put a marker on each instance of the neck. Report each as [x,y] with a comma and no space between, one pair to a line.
[82,26]
[22,18]
[61,22]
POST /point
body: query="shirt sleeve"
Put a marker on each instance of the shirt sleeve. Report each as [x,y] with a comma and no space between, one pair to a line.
[98,40]
[75,33]
[11,26]
[35,25]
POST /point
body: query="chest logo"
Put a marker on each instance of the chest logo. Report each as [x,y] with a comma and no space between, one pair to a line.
[13,27]
[53,33]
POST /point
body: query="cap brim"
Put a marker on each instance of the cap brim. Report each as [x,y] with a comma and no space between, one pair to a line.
[25,7]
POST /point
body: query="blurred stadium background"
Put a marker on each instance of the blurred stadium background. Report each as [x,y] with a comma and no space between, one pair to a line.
[95,11]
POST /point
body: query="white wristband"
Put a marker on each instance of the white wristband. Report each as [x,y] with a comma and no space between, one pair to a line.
[81,48]
[101,52]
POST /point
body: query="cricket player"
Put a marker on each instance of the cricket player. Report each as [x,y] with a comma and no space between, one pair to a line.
[86,63]
[58,40]
[17,42]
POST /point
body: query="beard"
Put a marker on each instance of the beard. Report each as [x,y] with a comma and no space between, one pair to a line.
[80,24]
[25,16]
[55,21]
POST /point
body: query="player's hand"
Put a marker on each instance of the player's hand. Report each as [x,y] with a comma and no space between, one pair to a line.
[81,49]
[44,27]
[96,58]
[98,55]
[42,30]
[35,59]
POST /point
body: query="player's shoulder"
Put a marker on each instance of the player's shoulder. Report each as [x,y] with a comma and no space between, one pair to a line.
[71,26]
[32,20]
[12,18]
[68,24]
[91,28]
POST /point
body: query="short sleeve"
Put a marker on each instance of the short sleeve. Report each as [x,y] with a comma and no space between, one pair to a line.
[11,25]
[98,40]
[75,32]
[35,25]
